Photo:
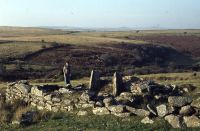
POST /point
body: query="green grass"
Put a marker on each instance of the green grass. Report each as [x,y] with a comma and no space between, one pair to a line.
[72,122]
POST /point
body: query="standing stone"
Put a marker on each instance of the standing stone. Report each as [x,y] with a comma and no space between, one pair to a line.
[94,85]
[67,73]
[117,84]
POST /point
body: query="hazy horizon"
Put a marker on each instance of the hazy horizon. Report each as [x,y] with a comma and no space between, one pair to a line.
[140,14]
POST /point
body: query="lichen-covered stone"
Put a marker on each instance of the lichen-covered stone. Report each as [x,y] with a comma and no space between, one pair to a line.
[138,112]
[147,120]
[117,108]
[196,103]
[191,121]
[179,101]
[36,91]
[118,86]
[162,110]
[82,113]
[123,115]
[100,111]
[186,110]
[174,121]
[108,101]
[23,88]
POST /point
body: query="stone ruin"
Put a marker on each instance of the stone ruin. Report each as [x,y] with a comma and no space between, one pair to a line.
[129,96]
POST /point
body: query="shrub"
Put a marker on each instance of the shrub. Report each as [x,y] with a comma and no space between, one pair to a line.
[18,66]
[108,59]
[42,116]
[54,44]
[44,47]
[19,111]
[2,69]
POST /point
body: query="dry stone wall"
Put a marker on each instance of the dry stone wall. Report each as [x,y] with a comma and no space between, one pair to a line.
[139,97]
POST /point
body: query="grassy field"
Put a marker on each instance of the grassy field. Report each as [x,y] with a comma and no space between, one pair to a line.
[20,48]
[71,122]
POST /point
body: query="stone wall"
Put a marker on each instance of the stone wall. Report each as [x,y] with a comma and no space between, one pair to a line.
[42,97]
[139,97]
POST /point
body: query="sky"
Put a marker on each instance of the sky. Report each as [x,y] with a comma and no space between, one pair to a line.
[173,14]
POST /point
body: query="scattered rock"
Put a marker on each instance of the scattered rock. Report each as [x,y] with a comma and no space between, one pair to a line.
[15,122]
[124,115]
[48,106]
[186,110]
[36,91]
[40,107]
[142,87]
[191,121]
[187,87]
[174,121]
[124,100]
[11,83]
[99,104]
[138,112]
[117,108]
[162,110]
[47,97]
[64,91]
[55,99]
[147,120]
[23,82]
[108,101]
[196,103]
[85,97]
[55,108]
[179,101]
[67,102]
[82,113]
[87,105]
[101,111]
[23,88]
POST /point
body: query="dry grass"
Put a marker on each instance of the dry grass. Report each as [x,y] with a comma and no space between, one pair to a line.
[72,39]
[19,111]
[176,78]
[26,31]
[19,48]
